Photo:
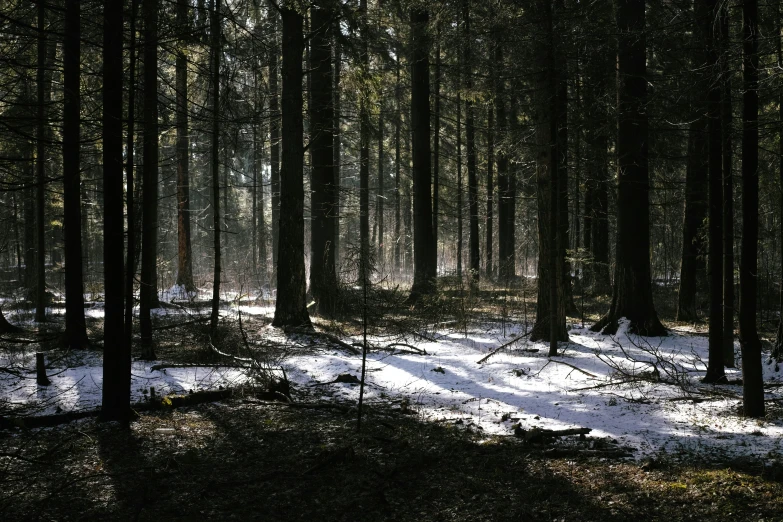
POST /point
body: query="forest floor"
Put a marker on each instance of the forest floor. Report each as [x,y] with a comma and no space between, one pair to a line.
[448,387]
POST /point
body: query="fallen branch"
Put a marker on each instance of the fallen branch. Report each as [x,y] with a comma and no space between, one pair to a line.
[541,435]
[412,349]
[186,323]
[503,347]
[324,335]
[158,367]
[570,366]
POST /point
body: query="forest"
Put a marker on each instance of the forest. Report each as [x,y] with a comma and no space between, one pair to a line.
[391,259]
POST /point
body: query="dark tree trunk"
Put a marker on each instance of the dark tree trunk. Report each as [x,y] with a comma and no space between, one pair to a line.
[550,322]
[336,145]
[470,137]
[506,199]
[184,252]
[40,172]
[215,159]
[397,168]
[116,355]
[752,376]
[728,198]
[459,186]
[715,372]
[692,265]
[148,291]
[364,151]
[424,250]
[274,135]
[323,281]
[436,145]
[490,190]
[75,329]
[632,297]
[291,304]
[381,193]
[777,351]
[130,263]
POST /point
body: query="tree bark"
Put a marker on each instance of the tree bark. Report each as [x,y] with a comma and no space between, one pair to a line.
[632,297]
[506,198]
[291,305]
[130,259]
[752,376]
[436,144]
[336,146]
[728,198]
[274,134]
[184,251]
[40,172]
[470,137]
[215,31]
[148,291]
[424,250]
[364,149]
[116,356]
[323,280]
[75,328]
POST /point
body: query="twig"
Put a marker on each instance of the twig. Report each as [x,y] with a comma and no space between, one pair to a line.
[501,347]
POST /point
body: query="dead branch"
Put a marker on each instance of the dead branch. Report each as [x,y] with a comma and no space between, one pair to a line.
[570,366]
[503,347]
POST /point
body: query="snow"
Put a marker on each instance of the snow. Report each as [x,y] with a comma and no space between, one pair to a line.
[581,387]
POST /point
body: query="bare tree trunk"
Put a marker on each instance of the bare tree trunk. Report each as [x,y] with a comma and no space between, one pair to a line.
[323,280]
[459,185]
[752,376]
[75,328]
[470,136]
[506,198]
[364,151]
[336,145]
[728,199]
[40,164]
[274,134]
[436,144]
[116,356]
[215,159]
[291,305]
[130,262]
[184,251]
[424,250]
[632,297]
[148,293]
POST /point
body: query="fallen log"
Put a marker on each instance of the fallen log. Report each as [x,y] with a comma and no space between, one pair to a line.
[537,435]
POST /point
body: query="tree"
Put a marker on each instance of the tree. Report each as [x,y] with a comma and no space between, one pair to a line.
[752,376]
[215,160]
[116,355]
[130,263]
[424,259]
[291,310]
[323,279]
[75,328]
[470,142]
[506,185]
[274,134]
[148,291]
[184,250]
[40,169]
[364,148]
[632,296]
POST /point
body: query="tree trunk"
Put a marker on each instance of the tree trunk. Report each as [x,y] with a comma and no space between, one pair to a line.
[632,297]
[777,351]
[490,190]
[116,356]
[728,199]
[291,305]
[506,199]
[397,167]
[715,371]
[436,144]
[752,376]
[40,165]
[424,250]
[323,280]
[148,291]
[184,252]
[130,263]
[459,186]
[75,329]
[550,322]
[692,265]
[215,30]
[336,145]
[364,150]
[274,134]
[470,137]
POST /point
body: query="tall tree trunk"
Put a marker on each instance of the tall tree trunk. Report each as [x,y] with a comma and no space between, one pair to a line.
[715,372]
[632,297]
[692,265]
[381,193]
[490,189]
[184,251]
[130,259]
[336,145]
[470,136]
[424,250]
[436,143]
[459,185]
[75,329]
[215,160]
[323,280]
[148,291]
[777,351]
[397,167]
[364,149]
[116,356]
[728,197]
[752,376]
[274,134]
[506,198]
[40,165]
[291,305]
[550,313]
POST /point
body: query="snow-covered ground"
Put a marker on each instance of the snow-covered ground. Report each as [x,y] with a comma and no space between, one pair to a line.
[602,382]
